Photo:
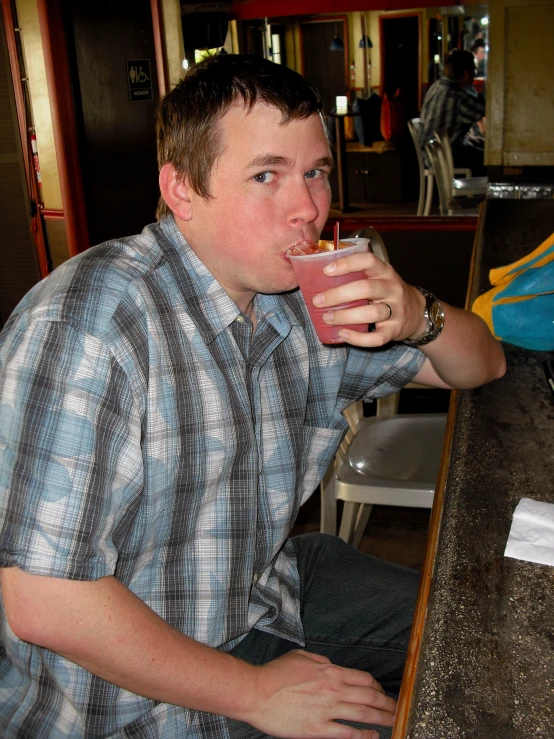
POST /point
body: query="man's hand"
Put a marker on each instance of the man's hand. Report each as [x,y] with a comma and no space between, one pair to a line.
[465,355]
[384,288]
[301,694]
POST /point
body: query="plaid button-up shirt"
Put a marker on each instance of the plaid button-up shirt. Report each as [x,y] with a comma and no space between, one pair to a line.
[145,434]
[449,108]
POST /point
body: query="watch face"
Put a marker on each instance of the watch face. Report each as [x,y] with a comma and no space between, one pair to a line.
[436,314]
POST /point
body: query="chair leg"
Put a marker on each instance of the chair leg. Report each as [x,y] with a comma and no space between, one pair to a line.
[429,196]
[361,524]
[348,521]
[328,523]
[388,405]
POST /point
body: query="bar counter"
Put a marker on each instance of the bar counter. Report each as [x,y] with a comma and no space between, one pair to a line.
[481,658]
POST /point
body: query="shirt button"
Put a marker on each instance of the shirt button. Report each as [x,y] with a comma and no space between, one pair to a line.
[239,319]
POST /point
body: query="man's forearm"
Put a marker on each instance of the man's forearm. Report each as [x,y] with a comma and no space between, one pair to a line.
[465,355]
[106,629]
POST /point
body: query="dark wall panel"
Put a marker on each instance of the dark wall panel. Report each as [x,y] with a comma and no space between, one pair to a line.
[18,263]
[117,136]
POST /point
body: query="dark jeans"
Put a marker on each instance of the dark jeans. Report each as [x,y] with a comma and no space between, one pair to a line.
[470,156]
[356,610]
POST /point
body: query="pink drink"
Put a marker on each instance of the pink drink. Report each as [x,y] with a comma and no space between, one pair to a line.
[312,280]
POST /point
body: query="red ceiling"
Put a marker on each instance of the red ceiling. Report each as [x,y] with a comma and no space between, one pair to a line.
[245,9]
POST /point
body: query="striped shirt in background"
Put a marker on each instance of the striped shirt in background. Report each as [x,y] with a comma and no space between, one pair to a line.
[145,434]
[449,108]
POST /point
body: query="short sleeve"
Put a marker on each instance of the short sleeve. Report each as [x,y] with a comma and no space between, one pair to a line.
[398,368]
[70,457]
[374,373]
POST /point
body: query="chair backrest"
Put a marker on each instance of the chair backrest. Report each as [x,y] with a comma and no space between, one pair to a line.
[447,151]
[442,176]
[413,126]
[376,243]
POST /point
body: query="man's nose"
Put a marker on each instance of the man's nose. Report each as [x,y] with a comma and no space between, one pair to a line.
[302,205]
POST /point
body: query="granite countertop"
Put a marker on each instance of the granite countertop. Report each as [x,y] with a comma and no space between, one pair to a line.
[486,664]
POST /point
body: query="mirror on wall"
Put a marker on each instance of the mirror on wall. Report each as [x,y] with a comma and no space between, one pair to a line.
[458,27]
[382,62]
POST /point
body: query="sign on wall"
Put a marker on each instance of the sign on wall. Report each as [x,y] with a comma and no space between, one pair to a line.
[139,79]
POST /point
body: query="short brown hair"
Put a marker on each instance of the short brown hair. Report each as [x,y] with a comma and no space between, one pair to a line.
[188,117]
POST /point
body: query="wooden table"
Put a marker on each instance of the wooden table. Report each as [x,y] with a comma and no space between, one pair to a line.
[481,657]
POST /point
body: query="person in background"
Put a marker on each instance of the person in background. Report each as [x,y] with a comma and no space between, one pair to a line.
[452,105]
[479,51]
[165,408]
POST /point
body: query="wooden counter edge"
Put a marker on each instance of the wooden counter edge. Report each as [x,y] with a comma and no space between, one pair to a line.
[414,646]
[410,670]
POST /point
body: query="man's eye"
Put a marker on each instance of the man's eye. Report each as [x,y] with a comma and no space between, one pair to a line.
[264,177]
[314,174]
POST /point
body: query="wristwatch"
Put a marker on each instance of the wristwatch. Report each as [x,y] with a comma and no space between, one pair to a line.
[434,315]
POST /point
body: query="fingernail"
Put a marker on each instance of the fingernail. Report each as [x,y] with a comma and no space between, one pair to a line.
[344,334]
[327,317]
[318,300]
[329,268]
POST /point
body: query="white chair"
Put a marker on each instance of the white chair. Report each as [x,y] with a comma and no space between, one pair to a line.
[390,459]
[467,185]
[426,174]
[454,193]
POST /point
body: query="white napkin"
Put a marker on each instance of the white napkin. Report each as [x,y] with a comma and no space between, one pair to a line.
[532,533]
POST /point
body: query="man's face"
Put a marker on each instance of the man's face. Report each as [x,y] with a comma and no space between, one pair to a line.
[269,189]
[480,53]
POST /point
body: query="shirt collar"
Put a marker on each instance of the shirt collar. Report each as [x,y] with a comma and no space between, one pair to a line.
[210,307]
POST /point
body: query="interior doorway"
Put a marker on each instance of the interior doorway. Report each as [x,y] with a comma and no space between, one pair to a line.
[400,59]
[114,78]
[324,68]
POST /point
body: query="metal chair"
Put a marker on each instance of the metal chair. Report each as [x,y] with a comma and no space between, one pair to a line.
[426,174]
[390,459]
[454,193]
[467,185]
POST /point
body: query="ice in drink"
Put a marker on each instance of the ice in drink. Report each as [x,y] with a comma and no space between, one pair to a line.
[308,262]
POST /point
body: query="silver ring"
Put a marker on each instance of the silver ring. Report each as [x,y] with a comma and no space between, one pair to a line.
[390,311]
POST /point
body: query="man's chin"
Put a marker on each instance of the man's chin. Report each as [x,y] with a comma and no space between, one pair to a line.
[285,287]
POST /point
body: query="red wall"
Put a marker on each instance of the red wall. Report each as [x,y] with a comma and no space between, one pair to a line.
[245,9]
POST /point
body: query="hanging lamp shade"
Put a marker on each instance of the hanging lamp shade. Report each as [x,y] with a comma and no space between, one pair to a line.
[337,44]
[365,43]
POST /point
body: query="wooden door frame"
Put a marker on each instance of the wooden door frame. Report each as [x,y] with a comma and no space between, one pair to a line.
[64,124]
[393,16]
[37,226]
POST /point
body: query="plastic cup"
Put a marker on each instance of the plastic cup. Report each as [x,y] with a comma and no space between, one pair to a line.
[312,280]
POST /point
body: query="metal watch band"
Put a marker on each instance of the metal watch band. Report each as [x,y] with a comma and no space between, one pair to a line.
[434,315]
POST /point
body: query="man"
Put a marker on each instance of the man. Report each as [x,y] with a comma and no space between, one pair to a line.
[166,408]
[451,104]
[479,54]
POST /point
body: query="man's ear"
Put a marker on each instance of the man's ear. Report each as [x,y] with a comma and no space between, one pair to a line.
[176,192]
